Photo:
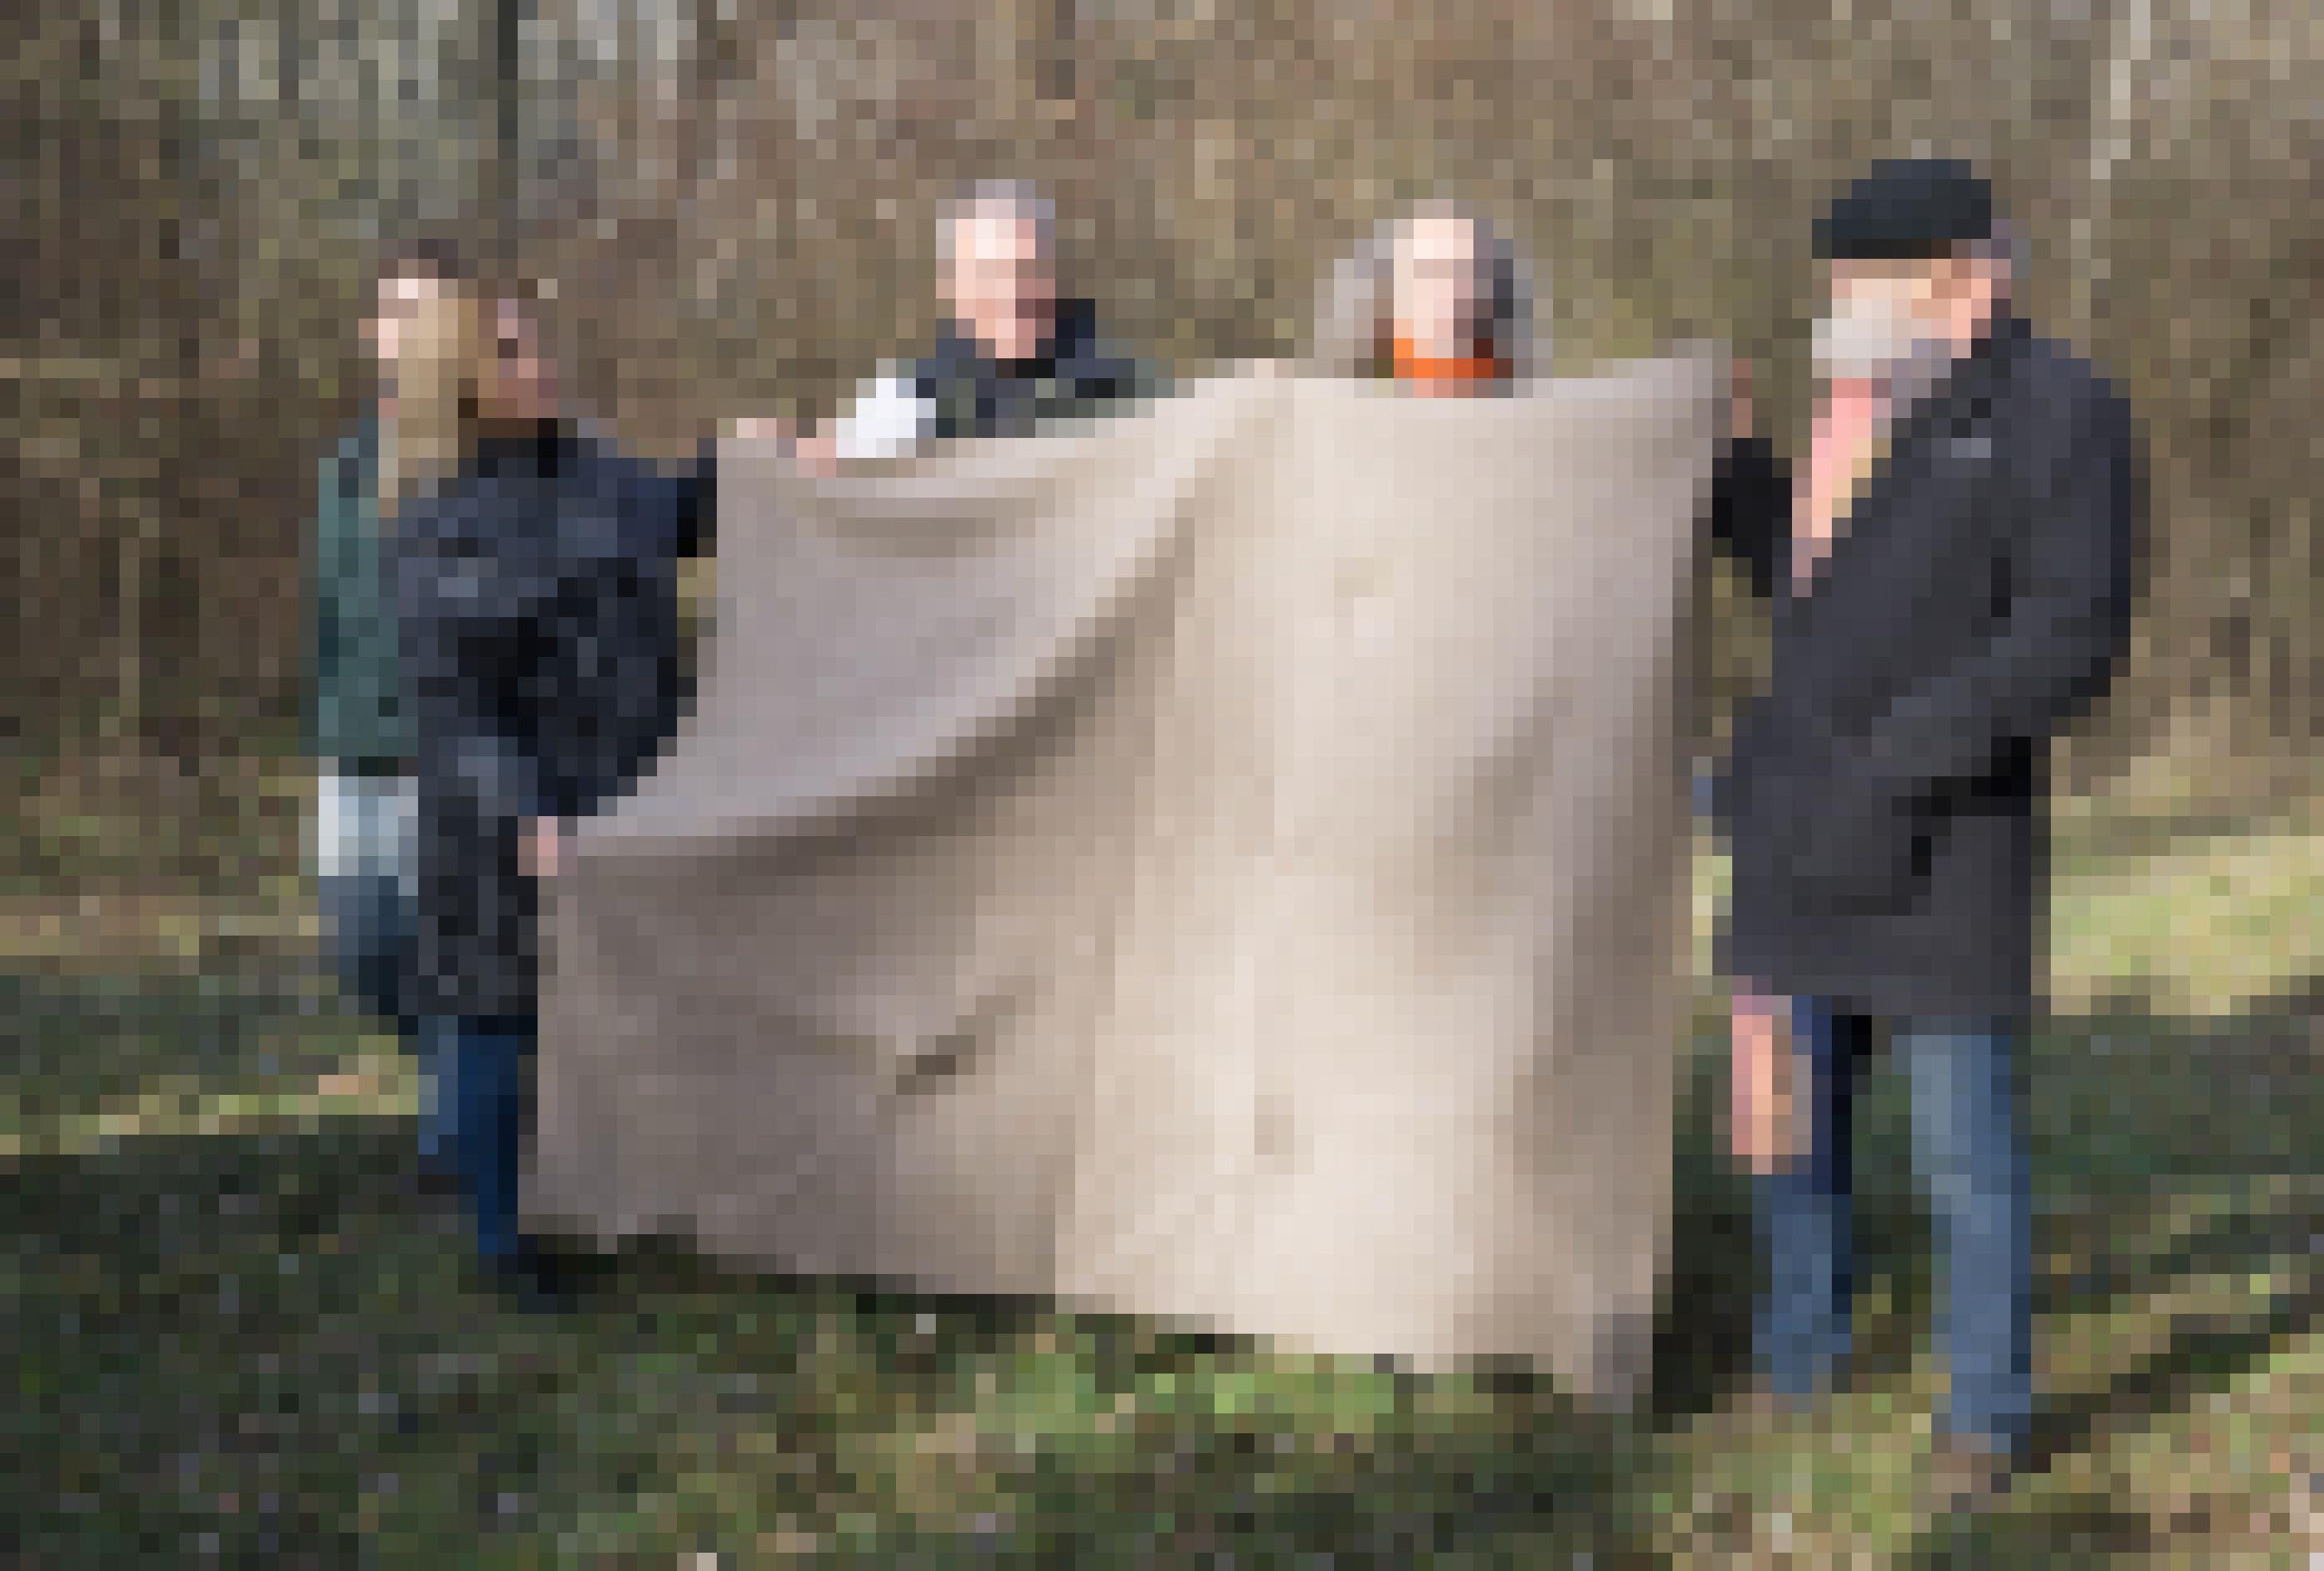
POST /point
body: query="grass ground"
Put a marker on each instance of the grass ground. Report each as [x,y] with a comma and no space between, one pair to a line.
[232,1337]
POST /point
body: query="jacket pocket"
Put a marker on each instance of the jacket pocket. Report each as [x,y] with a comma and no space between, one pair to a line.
[1854,849]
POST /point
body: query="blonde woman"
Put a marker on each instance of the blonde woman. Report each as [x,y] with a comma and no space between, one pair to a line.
[1435,301]
[359,721]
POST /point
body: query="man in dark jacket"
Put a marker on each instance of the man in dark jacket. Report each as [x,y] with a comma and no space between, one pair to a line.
[1952,585]
[1013,356]
[541,614]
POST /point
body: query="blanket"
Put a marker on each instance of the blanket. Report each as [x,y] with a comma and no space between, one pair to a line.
[1223,863]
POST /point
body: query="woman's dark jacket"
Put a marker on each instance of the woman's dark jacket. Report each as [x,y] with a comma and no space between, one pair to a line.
[540,613]
[1885,802]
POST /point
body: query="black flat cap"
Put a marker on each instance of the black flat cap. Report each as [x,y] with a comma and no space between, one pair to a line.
[1907,209]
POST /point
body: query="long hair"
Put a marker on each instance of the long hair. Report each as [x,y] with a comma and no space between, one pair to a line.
[444,379]
[1355,324]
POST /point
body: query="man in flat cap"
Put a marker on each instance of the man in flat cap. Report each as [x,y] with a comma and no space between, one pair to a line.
[1953,578]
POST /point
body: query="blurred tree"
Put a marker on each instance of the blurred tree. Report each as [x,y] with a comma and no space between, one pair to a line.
[731,204]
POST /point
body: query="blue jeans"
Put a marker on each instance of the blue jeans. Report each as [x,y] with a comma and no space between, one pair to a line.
[1967,1156]
[488,1060]
[368,917]
[364,885]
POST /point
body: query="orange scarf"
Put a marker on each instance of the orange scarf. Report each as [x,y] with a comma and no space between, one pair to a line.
[1435,375]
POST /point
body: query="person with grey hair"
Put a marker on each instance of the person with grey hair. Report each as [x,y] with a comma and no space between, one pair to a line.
[1434,300]
[1953,578]
[1011,357]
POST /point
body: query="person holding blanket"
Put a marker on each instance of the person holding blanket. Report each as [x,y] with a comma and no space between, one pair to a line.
[1435,301]
[1952,580]
[536,583]
[1012,358]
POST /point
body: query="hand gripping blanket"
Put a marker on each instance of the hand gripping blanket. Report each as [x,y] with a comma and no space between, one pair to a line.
[1221,863]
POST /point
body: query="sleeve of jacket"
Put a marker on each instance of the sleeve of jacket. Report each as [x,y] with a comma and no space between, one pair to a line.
[617,652]
[326,645]
[2075,543]
[698,503]
[666,513]
[452,594]
[1750,509]
[323,641]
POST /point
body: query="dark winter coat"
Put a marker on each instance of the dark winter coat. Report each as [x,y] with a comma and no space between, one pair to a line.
[1885,805]
[1076,373]
[541,614]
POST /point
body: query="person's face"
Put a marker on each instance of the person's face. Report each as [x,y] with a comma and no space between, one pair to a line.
[1946,299]
[1001,285]
[400,298]
[1435,283]
[523,384]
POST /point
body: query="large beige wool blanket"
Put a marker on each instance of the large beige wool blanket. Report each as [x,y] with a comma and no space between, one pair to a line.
[1224,862]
